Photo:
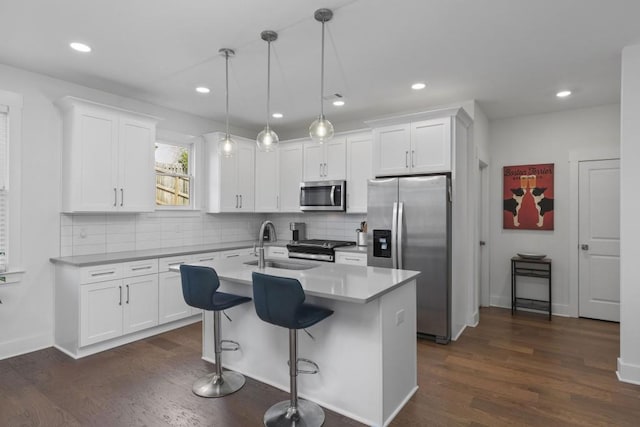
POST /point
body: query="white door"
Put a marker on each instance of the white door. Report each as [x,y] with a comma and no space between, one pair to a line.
[266,197]
[136,176]
[599,230]
[314,169]
[431,146]
[170,299]
[358,171]
[290,163]
[100,311]
[335,163]
[228,187]
[246,176]
[140,303]
[391,150]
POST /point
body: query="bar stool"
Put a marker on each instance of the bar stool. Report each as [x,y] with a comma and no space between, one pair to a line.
[200,289]
[280,301]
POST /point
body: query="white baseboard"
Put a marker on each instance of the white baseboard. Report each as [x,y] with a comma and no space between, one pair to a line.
[476,319]
[456,335]
[24,345]
[628,373]
[556,309]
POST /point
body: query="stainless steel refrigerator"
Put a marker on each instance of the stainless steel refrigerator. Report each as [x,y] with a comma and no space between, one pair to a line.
[409,227]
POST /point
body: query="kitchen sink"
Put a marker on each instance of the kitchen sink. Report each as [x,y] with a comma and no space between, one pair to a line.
[283,264]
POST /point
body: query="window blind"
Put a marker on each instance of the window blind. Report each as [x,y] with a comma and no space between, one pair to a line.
[4,184]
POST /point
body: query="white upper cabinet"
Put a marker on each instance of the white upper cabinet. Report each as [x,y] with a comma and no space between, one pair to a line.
[230,180]
[359,170]
[107,158]
[413,147]
[267,191]
[325,161]
[290,160]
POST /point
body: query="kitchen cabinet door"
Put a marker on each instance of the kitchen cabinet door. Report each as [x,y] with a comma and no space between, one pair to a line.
[170,299]
[391,149]
[431,146]
[359,171]
[227,190]
[313,161]
[335,159]
[100,311]
[246,175]
[266,179]
[136,178]
[140,303]
[290,161]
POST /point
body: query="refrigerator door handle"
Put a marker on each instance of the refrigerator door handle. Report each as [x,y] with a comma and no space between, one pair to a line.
[400,234]
[394,233]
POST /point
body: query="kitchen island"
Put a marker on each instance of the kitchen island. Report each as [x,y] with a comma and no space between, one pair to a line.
[366,350]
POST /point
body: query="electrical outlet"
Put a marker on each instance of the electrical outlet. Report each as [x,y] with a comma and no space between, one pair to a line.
[399,317]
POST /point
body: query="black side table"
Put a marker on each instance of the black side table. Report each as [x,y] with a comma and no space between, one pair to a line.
[539,268]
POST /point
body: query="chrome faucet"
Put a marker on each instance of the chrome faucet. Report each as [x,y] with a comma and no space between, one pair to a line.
[272,236]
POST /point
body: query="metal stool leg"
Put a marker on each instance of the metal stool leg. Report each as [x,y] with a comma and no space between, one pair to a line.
[294,412]
[218,383]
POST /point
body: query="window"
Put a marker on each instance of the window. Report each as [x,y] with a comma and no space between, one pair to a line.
[174,177]
[10,134]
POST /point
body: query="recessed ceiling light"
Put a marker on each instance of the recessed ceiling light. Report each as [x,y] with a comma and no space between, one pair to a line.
[563,93]
[202,89]
[418,86]
[338,103]
[277,115]
[80,47]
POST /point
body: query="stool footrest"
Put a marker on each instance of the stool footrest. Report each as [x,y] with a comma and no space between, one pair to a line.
[231,345]
[314,366]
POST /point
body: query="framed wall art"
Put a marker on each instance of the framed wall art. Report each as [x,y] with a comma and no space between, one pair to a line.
[527,195]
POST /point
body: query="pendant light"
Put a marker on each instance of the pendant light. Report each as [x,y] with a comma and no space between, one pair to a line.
[226,145]
[321,129]
[267,140]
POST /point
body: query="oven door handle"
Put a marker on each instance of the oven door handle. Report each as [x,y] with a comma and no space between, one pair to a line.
[332,195]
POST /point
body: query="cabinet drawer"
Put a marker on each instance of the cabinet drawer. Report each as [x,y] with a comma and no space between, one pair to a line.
[351,258]
[140,268]
[209,256]
[277,252]
[100,273]
[237,252]
[165,263]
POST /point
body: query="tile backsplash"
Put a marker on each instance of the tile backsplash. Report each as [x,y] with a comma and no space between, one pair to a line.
[84,234]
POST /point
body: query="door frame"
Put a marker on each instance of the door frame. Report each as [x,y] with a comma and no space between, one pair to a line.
[575,157]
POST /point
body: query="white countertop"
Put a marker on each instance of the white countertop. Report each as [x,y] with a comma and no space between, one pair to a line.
[327,280]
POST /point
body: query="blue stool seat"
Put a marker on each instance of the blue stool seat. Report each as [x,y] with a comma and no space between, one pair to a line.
[200,289]
[280,301]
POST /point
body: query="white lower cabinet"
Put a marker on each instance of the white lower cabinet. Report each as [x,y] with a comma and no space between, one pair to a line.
[172,304]
[116,307]
[351,258]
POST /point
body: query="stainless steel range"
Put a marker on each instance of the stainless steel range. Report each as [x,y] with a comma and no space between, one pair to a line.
[316,249]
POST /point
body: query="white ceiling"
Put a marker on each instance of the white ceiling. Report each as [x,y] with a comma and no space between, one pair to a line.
[512,56]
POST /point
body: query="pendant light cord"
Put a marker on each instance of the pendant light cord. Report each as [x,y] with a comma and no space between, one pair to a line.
[268,81]
[226,54]
[322,74]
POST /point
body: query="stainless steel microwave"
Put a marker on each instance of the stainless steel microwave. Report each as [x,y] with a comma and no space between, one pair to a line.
[323,196]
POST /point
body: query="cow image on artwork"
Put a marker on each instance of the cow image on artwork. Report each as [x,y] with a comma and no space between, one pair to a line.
[528,197]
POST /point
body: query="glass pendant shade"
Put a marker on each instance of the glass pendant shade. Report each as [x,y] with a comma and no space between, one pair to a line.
[227,146]
[321,130]
[267,139]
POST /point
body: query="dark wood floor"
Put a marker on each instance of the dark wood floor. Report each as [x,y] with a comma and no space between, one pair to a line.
[507,371]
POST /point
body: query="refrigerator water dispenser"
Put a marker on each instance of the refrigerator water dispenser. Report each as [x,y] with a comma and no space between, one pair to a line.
[382,243]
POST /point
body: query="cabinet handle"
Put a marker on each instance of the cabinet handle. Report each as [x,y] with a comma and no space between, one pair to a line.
[351,259]
[127,294]
[236,201]
[121,196]
[320,169]
[241,201]
[406,159]
[205,259]
[233,256]
[105,273]
[115,197]
[413,160]
[325,169]
[146,267]
[120,287]
[277,202]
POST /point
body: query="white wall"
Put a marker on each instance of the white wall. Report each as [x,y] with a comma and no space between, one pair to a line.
[629,361]
[543,138]
[26,314]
